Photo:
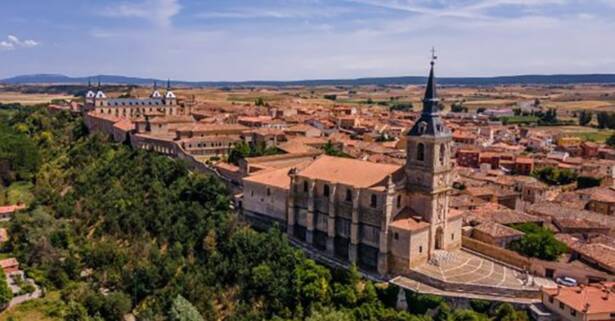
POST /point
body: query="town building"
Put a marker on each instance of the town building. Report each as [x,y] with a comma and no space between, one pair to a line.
[582,303]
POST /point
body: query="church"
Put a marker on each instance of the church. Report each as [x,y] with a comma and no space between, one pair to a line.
[385,218]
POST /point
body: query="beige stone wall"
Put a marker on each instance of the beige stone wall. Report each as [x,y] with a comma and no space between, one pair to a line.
[257,200]
[496,252]
[419,247]
[452,235]
[400,244]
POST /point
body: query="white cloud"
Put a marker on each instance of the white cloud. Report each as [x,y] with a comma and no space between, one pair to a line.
[474,9]
[281,12]
[159,12]
[13,42]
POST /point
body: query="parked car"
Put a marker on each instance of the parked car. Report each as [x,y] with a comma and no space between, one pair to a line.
[567,281]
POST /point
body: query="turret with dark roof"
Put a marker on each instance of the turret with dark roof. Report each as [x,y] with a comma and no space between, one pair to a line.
[430,122]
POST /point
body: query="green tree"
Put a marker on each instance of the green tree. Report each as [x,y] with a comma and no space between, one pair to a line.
[19,156]
[506,312]
[259,101]
[239,151]
[585,117]
[329,315]
[183,310]
[555,176]
[537,242]
[458,107]
[331,150]
[401,106]
[76,312]
[5,292]
[606,120]
[588,182]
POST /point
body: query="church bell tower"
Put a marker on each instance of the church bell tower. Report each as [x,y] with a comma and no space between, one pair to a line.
[428,167]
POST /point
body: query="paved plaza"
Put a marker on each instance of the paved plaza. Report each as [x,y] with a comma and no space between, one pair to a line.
[464,267]
[461,273]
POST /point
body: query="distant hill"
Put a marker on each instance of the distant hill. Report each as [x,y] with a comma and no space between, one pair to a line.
[410,80]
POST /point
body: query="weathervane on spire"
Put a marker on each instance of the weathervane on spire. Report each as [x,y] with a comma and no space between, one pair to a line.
[433,55]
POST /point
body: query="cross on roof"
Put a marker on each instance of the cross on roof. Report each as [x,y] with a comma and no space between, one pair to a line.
[433,55]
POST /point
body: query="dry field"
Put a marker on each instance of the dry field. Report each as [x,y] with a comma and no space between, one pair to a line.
[594,105]
[567,99]
[29,99]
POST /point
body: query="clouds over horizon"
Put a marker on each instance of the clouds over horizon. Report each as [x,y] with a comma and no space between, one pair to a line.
[159,12]
[299,39]
[12,42]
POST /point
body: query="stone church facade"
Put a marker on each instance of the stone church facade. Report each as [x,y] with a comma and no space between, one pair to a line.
[385,218]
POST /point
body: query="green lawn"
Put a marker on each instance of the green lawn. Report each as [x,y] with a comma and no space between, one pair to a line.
[519,119]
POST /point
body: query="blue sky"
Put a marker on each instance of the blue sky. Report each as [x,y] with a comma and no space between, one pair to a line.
[305,39]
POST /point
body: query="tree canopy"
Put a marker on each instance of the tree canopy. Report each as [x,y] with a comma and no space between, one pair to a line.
[537,242]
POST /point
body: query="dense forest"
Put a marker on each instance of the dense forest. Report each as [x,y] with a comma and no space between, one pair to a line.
[111,231]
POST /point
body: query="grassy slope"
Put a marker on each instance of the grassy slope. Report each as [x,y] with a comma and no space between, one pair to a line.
[43,309]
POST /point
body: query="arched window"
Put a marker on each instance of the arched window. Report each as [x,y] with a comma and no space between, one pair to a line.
[442,153]
[325,191]
[373,201]
[348,195]
[420,152]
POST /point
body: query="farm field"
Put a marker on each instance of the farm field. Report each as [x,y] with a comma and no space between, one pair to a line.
[29,99]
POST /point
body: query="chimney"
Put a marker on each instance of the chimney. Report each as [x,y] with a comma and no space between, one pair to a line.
[586,307]
[559,288]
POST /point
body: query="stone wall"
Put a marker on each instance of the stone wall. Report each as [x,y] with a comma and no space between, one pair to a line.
[497,253]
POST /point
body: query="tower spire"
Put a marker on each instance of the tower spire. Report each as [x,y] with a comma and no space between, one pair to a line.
[155,85]
[89,83]
[430,101]
[430,123]
[168,84]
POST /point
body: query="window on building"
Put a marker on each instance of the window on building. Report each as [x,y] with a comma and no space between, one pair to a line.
[420,249]
[573,312]
[561,305]
[373,201]
[348,195]
[305,186]
[398,201]
[453,236]
[268,192]
[420,152]
[252,193]
[396,236]
[325,191]
[550,299]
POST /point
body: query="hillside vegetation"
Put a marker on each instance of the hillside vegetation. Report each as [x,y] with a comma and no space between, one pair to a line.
[113,231]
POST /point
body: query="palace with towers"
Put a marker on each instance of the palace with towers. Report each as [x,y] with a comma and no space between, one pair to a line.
[156,104]
[385,218]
